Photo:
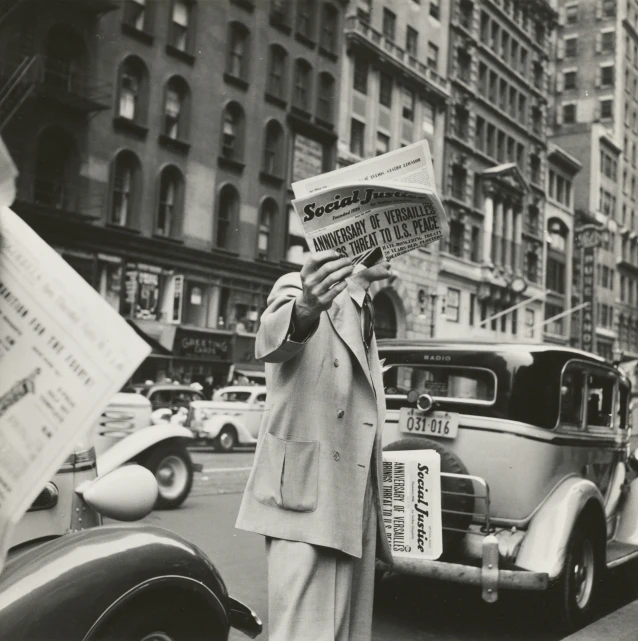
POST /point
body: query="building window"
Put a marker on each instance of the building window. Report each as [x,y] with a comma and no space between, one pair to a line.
[461,122]
[126,173]
[456,239]
[306,18]
[475,245]
[452,304]
[364,10]
[326,98]
[495,36]
[383,143]
[303,72]
[360,75]
[227,216]
[433,56]
[466,10]
[459,179]
[464,65]
[277,71]
[273,149]
[555,275]
[233,132]
[357,135]
[569,79]
[530,321]
[170,202]
[607,108]
[412,42]
[238,51]
[329,28]
[571,47]
[555,326]
[607,41]
[607,75]
[435,10]
[427,122]
[479,134]
[267,217]
[180,28]
[136,14]
[408,104]
[133,90]
[532,267]
[389,24]
[569,113]
[571,14]
[175,109]
[280,11]
[535,168]
[385,89]
[609,8]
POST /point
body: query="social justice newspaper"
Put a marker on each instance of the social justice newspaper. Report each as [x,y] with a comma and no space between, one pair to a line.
[411,503]
[64,353]
[375,209]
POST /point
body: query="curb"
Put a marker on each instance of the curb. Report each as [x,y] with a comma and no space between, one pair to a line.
[617,626]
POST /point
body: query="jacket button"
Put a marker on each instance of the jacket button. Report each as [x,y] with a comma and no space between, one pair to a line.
[340,413]
[336,456]
[336,363]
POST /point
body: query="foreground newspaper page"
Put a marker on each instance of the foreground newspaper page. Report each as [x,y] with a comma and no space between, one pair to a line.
[411,503]
[64,353]
[379,208]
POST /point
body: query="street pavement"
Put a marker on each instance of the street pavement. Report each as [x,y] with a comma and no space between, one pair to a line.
[406,608]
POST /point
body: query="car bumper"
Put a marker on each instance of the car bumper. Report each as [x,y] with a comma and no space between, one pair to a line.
[242,618]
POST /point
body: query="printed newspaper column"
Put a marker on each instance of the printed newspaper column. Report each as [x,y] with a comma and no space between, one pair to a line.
[411,503]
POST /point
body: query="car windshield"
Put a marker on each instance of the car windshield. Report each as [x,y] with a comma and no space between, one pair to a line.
[441,381]
[237,397]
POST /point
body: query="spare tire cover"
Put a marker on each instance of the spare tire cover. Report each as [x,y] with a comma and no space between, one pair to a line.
[454,525]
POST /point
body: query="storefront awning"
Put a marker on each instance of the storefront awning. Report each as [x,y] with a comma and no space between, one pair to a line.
[154,335]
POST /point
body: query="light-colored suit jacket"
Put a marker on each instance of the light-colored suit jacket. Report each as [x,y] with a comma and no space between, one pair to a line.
[325,411]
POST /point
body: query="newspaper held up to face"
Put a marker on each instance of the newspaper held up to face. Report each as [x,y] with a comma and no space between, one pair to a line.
[411,503]
[64,353]
[374,210]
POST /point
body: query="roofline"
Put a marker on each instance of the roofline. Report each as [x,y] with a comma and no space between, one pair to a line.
[564,157]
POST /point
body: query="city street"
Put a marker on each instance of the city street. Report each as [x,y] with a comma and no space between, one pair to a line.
[405,608]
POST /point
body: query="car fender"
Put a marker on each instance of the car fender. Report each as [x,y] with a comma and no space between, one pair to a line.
[212,426]
[130,447]
[628,525]
[545,544]
[73,582]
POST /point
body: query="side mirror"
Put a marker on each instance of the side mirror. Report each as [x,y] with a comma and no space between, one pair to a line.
[127,493]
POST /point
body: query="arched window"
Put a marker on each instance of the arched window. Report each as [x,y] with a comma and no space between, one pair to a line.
[56,170]
[277,71]
[326,97]
[171,198]
[329,28]
[125,188]
[306,18]
[273,149]
[133,90]
[302,88]
[267,217]
[385,317]
[233,132]
[176,108]
[227,216]
[238,50]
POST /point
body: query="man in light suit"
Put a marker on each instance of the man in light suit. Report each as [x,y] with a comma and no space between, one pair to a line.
[315,487]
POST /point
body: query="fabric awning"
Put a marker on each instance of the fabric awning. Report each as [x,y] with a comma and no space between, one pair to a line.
[153,336]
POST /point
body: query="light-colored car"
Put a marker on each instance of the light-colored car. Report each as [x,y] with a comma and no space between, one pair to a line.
[231,418]
[539,487]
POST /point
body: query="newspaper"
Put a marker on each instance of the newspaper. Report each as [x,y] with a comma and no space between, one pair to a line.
[64,353]
[411,503]
[376,209]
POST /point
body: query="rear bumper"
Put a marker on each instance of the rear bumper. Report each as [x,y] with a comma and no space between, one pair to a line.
[242,618]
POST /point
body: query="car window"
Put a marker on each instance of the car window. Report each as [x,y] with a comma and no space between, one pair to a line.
[236,397]
[600,399]
[572,390]
[162,397]
[261,398]
[182,398]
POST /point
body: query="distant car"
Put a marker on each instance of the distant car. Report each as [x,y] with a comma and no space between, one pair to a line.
[231,418]
[68,578]
[166,395]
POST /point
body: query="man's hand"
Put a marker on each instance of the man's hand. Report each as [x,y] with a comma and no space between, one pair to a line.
[323,278]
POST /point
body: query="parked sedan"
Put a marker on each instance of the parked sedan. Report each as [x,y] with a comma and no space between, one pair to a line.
[167,395]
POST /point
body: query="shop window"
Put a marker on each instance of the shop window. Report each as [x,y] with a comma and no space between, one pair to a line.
[303,74]
[125,187]
[326,98]
[267,218]
[273,149]
[176,104]
[182,27]
[238,51]
[169,208]
[133,90]
[452,304]
[227,218]
[277,71]
[233,132]
[329,28]
[196,304]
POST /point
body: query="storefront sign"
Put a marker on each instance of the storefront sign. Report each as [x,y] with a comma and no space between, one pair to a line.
[206,345]
[307,158]
[141,294]
[588,238]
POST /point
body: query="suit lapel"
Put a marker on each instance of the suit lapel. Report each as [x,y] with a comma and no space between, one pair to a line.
[345,320]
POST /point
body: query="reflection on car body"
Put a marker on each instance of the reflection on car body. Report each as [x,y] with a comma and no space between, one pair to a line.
[538,489]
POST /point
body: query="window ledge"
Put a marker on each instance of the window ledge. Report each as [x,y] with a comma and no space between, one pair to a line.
[331,55]
[186,57]
[279,24]
[266,261]
[324,123]
[174,144]
[123,228]
[225,252]
[248,5]
[130,126]
[301,113]
[275,100]
[234,80]
[275,181]
[133,32]
[168,239]
[304,39]
[228,163]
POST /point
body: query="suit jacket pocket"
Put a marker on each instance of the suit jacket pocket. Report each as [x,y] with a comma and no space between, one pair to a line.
[268,475]
[300,478]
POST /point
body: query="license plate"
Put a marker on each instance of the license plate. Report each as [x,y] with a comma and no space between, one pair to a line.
[441,424]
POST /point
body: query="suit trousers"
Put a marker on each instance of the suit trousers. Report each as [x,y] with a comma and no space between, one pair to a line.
[321,594]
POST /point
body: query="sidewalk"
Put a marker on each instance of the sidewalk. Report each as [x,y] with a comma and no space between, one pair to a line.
[621,625]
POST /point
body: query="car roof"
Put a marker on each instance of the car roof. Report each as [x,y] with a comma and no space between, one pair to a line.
[243,388]
[170,386]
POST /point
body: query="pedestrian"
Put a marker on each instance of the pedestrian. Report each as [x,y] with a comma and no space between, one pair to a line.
[314,490]
[208,387]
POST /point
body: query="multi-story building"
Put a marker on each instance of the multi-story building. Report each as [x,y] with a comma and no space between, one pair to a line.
[156,142]
[491,281]
[559,225]
[595,118]
[393,93]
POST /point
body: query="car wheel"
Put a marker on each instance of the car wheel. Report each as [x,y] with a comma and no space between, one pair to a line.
[226,439]
[574,594]
[172,466]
